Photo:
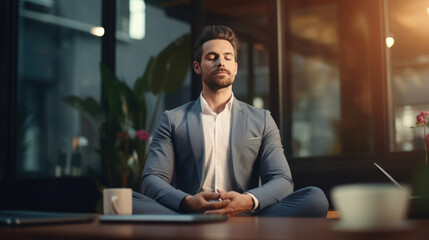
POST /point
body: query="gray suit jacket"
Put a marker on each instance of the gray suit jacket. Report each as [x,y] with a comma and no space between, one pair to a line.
[175,165]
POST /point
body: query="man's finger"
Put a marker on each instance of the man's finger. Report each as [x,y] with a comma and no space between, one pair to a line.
[221,193]
[211,195]
[226,195]
[216,205]
[223,211]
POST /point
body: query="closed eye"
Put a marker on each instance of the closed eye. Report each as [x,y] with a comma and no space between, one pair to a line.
[229,56]
[211,56]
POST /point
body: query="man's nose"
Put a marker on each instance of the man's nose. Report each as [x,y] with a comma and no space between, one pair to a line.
[220,63]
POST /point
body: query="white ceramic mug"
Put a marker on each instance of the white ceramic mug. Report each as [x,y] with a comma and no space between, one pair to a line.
[369,206]
[117,201]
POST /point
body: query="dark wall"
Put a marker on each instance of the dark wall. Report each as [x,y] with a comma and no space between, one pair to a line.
[8,63]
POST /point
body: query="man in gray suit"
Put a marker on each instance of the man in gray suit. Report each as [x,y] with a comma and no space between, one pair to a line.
[218,155]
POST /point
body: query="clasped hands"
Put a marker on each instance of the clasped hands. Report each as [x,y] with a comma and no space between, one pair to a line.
[220,202]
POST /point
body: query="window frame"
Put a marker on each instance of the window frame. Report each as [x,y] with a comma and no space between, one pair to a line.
[328,171]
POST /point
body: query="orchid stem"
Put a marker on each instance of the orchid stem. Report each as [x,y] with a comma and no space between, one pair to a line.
[424,141]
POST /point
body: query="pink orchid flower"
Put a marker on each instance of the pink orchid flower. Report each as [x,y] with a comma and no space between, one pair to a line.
[143,135]
[421,118]
[424,113]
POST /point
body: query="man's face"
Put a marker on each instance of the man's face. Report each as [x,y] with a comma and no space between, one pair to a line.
[218,66]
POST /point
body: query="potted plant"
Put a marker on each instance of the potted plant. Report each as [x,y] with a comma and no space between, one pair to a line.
[121,118]
[420,200]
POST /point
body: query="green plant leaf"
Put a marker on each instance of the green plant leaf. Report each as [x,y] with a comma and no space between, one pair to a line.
[110,85]
[141,86]
[130,98]
[180,63]
[156,74]
[170,66]
[140,117]
[142,83]
[89,106]
[136,105]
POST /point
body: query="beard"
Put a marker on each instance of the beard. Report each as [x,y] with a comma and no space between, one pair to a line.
[216,82]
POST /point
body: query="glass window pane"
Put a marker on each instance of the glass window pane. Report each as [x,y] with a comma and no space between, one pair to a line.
[327,83]
[408,70]
[58,57]
[315,81]
[249,20]
[145,29]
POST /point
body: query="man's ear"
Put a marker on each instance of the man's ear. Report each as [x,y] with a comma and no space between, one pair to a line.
[197,67]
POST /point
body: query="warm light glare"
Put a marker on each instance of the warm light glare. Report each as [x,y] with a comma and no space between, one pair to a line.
[137,19]
[390,41]
[259,46]
[258,102]
[427,10]
[97,31]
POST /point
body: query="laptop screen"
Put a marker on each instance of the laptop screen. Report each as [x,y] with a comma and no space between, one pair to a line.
[23,217]
[167,218]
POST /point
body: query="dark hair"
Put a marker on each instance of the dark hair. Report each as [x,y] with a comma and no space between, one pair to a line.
[215,32]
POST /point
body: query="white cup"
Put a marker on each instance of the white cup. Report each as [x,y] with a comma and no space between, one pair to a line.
[117,201]
[370,206]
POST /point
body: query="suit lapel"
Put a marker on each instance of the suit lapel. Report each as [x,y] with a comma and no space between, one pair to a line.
[238,128]
[196,136]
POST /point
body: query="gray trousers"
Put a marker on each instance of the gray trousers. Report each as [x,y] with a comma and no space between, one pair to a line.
[305,202]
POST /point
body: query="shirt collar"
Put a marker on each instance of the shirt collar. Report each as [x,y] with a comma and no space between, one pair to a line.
[205,108]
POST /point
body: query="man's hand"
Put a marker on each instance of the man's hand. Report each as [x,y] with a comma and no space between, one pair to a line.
[200,202]
[240,203]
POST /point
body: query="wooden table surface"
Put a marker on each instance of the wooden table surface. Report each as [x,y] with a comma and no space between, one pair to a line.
[233,228]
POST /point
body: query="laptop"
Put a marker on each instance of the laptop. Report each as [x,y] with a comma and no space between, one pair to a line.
[25,217]
[163,218]
[396,182]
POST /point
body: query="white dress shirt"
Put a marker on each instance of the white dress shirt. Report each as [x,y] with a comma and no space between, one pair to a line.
[217,159]
[216,127]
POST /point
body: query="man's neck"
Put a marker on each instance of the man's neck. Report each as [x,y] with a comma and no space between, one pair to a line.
[217,99]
